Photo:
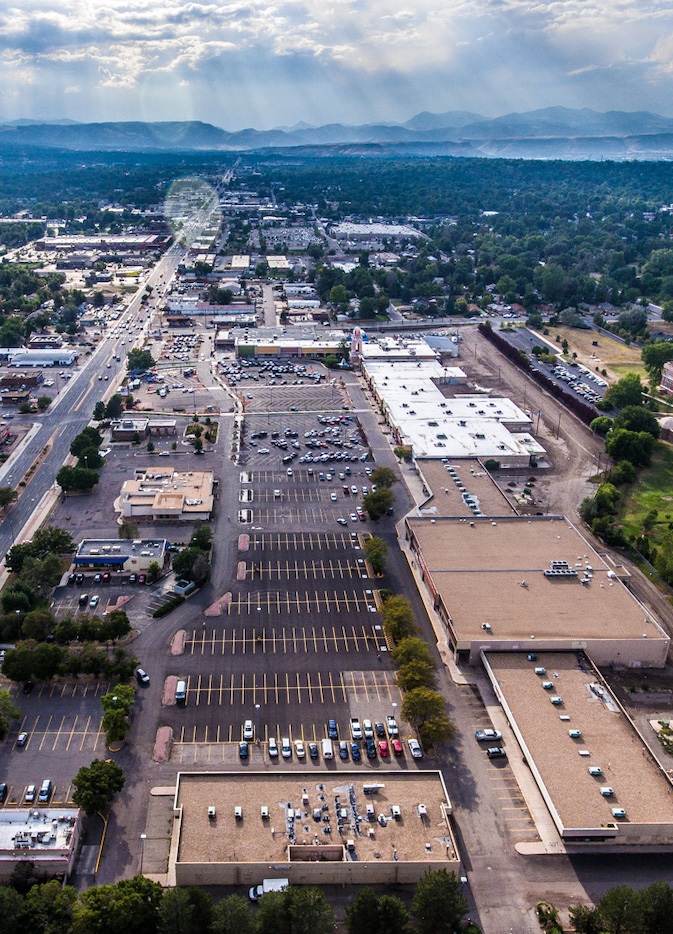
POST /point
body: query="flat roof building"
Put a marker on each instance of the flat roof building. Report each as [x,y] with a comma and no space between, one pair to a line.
[460,488]
[316,827]
[48,837]
[520,583]
[166,493]
[20,356]
[121,554]
[599,780]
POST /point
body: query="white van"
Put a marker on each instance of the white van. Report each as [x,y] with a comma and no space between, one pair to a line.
[181,692]
[327,749]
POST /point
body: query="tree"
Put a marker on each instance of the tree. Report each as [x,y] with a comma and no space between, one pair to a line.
[273,914]
[585,920]
[42,574]
[362,914]
[128,530]
[43,403]
[634,446]
[398,618]
[115,625]
[13,911]
[393,915]
[153,572]
[309,910]
[232,915]
[117,705]
[602,425]
[626,391]
[637,418]
[130,906]
[96,785]
[139,360]
[7,496]
[86,439]
[438,905]
[77,479]
[37,625]
[184,563]
[99,411]
[655,355]
[18,663]
[384,476]
[114,407]
[8,712]
[422,704]
[377,504]
[619,911]
[376,550]
[202,538]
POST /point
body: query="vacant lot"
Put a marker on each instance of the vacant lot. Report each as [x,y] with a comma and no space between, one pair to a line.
[651,493]
[610,355]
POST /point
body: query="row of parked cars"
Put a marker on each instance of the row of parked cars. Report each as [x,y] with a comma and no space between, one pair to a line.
[379,738]
[31,794]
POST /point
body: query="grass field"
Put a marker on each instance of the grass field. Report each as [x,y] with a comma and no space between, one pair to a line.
[652,491]
[610,355]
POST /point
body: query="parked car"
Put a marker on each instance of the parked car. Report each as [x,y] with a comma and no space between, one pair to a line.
[371,748]
[356,755]
[384,751]
[396,746]
[415,748]
[243,750]
[343,750]
[313,750]
[300,749]
[391,724]
[248,730]
[273,748]
[285,748]
[380,729]
[496,752]
[142,677]
[332,729]
[488,735]
[21,739]
[31,794]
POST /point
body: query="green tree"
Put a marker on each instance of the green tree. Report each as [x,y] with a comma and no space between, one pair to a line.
[13,911]
[415,674]
[376,550]
[37,625]
[585,920]
[99,411]
[273,914]
[86,439]
[8,712]
[398,618]
[637,418]
[626,391]
[7,496]
[43,403]
[427,710]
[232,915]
[370,914]
[202,538]
[128,530]
[438,905]
[153,572]
[42,574]
[656,906]
[384,477]
[185,563]
[393,915]
[96,785]
[77,479]
[18,663]
[309,910]
[602,425]
[139,360]
[130,906]
[377,504]
[115,406]
[655,355]
[634,446]
[619,911]
[412,649]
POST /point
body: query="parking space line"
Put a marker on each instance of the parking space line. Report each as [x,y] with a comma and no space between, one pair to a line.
[72,733]
[343,630]
[298,689]
[287,687]
[309,687]
[334,636]
[44,735]
[324,638]
[275,685]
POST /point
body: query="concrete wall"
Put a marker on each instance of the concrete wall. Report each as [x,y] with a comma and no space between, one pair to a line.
[302,873]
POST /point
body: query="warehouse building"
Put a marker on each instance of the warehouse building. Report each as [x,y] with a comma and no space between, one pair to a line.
[601,784]
[234,828]
[530,583]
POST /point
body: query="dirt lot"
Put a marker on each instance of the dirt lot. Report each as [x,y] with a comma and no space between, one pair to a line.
[610,355]
[573,451]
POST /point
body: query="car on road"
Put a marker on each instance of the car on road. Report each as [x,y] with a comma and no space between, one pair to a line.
[273,748]
[31,794]
[384,750]
[488,735]
[415,748]
[356,755]
[496,752]
[391,725]
[313,750]
[243,750]
[285,748]
[21,740]
[356,729]
[396,747]
[248,730]
[332,729]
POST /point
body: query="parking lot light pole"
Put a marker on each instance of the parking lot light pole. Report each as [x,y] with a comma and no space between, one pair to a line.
[143,837]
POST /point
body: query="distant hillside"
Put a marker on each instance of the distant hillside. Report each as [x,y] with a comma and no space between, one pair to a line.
[550,133]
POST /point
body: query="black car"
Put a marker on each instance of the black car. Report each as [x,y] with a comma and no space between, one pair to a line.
[356,755]
[313,750]
[4,791]
[496,752]
[28,687]
[380,729]
[343,750]
[371,748]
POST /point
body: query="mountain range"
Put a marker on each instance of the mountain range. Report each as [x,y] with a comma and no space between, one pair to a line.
[549,133]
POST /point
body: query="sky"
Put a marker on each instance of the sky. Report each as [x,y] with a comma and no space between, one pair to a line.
[263,63]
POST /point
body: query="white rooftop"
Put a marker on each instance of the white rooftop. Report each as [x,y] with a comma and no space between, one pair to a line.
[36,830]
[388,347]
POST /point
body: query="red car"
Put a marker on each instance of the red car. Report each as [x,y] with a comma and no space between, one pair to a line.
[384,752]
[397,747]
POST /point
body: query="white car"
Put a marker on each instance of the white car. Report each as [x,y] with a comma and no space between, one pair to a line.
[368,729]
[300,749]
[333,497]
[273,748]
[356,729]
[248,730]
[285,748]
[391,725]
[415,749]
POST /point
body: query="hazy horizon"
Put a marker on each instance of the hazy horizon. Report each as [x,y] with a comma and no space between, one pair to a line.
[258,64]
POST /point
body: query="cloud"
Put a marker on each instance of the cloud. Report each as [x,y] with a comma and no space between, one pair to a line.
[472,54]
